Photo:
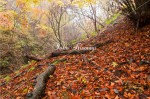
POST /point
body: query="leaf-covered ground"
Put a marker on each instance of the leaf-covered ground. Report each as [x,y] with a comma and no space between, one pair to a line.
[119,70]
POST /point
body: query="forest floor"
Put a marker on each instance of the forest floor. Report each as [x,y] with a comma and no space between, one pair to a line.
[118,70]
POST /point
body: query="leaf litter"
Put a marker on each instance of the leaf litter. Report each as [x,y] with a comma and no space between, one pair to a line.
[115,71]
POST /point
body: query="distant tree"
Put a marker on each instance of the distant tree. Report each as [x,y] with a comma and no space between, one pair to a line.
[88,9]
[55,14]
[2,5]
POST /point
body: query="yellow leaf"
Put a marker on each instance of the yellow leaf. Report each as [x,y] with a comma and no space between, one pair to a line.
[60,3]
[91,1]
[114,64]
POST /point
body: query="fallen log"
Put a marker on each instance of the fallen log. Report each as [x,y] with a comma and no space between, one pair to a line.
[39,88]
[72,52]
[67,52]
[98,45]
[34,58]
[56,54]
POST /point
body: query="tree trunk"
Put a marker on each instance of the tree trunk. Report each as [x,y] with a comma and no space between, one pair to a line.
[68,52]
[41,80]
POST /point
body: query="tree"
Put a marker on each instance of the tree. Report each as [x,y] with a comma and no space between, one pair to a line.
[14,32]
[137,10]
[88,8]
[55,16]
[2,5]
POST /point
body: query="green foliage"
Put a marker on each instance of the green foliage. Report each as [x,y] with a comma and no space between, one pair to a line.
[112,19]
[4,63]
[64,62]
[83,36]
[73,42]
[94,33]
[7,78]
[24,66]
[58,61]
[55,62]
[1,76]
[30,62]
[36,49]
[99,27]
[20,44]
[31,69]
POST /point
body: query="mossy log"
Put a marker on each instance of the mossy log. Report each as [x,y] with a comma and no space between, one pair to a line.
[39,88]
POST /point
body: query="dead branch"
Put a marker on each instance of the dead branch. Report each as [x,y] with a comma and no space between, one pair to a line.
[34,58]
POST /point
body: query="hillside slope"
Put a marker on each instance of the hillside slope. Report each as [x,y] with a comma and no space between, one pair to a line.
[120,69]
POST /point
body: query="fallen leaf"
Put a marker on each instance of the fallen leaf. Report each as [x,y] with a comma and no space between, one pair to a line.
[114,64]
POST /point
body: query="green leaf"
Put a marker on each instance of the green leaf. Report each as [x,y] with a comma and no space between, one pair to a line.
[32,68]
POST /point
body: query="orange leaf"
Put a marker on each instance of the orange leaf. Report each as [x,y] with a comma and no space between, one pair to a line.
[75,97]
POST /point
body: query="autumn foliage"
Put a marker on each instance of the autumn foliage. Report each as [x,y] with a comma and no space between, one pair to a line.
[117,70]
[33,62]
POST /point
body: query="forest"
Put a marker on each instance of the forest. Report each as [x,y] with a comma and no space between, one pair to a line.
[74,49]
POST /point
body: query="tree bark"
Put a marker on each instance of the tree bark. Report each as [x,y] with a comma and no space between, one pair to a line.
[39,88]
[56,54]
[68,52]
